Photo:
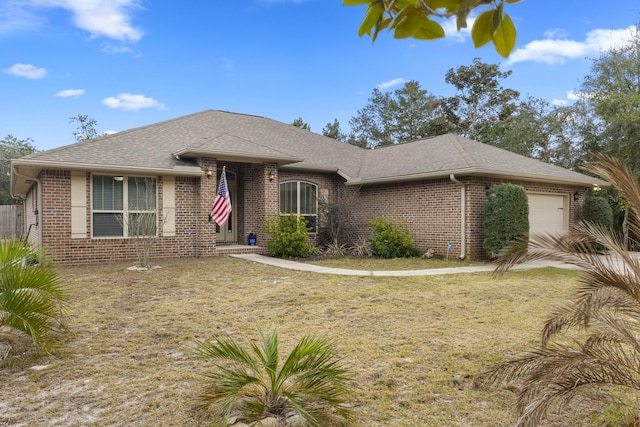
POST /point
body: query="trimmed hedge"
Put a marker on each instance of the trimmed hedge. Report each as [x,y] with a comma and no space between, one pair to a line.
[506,217]
[597,210]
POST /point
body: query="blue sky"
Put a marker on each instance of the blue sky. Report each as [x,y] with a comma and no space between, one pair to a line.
[129,63]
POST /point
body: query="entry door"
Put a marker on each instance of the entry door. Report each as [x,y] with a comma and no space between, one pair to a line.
[227,233]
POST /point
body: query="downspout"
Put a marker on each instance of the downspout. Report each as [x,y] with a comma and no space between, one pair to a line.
[463,215]
[37,212]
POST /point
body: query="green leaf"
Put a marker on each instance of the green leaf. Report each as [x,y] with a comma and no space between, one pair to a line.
[355,2]
[408,22]
[504,38]
[429,30]
[482,31]
[374,13]
[380,25]
[461,19]
[513,1]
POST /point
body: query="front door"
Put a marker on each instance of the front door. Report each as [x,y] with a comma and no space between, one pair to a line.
[227,233]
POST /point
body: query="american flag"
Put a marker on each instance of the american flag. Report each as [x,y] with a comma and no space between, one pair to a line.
[222,204]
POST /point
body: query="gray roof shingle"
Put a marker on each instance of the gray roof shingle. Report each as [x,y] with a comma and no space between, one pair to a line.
[174,144]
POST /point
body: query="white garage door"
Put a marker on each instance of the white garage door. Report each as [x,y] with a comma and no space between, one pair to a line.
[548,213]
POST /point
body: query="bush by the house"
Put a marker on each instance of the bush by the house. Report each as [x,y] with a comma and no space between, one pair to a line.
[287,237]
[336,234]
[506,217]
[597,210]
[391,240]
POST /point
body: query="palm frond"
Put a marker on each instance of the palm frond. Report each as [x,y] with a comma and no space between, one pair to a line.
[591,341]
[32,298]
[311,383]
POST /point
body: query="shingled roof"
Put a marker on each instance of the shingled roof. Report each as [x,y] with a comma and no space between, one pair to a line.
[173,146]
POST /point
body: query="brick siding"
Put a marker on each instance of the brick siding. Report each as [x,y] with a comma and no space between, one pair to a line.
[430,209]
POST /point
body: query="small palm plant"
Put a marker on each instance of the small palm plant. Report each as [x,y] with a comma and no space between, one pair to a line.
[311,386]
[31,296]
[593,341]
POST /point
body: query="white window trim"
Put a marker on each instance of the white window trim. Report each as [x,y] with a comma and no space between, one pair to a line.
[125,206]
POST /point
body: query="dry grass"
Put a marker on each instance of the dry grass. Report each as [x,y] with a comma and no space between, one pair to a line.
[414,344]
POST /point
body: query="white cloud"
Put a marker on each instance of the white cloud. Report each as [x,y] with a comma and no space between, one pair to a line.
[14,16]
[559,102]
[27,71]
[553,50]
[67,93]
[115,50]
[555,33]
[131,102]
[573,96]
[451,32]
[391,83]
[101,18]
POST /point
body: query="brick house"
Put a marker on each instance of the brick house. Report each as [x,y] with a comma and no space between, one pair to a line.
[74,194]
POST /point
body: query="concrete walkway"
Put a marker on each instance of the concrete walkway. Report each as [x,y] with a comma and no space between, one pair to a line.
[300,266]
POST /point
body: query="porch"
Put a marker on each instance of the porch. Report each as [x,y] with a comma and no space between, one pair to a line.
[228,249]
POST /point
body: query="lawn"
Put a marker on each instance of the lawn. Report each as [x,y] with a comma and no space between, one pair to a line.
[414,344]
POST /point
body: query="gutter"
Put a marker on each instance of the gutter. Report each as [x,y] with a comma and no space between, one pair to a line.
[39,202]
[463,215]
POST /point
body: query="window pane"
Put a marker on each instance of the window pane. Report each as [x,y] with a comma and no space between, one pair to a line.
[107,193]
[142,224]
[308,198]
[107,225]
[288,197]
[142,194]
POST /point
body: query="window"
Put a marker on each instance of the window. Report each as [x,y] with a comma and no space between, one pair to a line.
[115,198]
[300,198]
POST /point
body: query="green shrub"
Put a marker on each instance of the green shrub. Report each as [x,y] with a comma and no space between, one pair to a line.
[390,240]
[597,210]
[506,217]
[287,237]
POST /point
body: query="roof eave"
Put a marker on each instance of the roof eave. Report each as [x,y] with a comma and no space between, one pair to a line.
[235,156]
[587,181]
[30,169]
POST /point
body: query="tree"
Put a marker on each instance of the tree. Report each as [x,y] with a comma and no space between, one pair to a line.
[413,18]
[480,103]
[86,127]
[408,114]
[299,123]
[611,93]
[332,130]
[538,130]
[31,295]
[311,383]
[611,103]
[592,342]
[11,148]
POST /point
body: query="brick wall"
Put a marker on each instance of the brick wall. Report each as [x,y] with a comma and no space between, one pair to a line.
[56,225]
[430,209]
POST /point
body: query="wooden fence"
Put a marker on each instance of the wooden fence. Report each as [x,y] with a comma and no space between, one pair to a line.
[11,221]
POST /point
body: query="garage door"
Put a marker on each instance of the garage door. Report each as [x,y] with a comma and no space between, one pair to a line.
[548,213]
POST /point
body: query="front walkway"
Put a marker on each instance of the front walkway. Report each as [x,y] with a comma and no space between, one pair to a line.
[300,266]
